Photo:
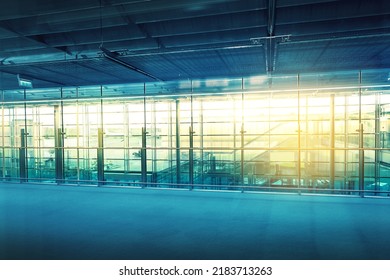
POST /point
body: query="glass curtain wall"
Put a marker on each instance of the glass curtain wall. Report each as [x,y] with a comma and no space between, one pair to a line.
[279,134]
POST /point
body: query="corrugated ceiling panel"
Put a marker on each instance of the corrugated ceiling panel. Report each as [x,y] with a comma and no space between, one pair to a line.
[236,37]
[290,56]
[208,24]
[245,61]
[224,7]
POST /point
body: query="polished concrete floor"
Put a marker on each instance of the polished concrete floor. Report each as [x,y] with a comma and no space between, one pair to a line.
[62,222]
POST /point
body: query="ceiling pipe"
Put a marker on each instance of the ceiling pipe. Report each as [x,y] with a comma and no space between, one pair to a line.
[271,17]
[270,49]
[112,56]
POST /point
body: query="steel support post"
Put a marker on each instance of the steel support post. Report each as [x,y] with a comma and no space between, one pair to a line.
[100,157]
[191,157]
[143,158]
[332,144]
[361,161]
[23,156]
[178,169]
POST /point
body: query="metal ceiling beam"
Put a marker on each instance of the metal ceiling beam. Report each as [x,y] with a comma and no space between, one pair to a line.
[32,77]
[147,18]
[271,17]
[41,39]
[232,37]
[333,27]
[65,75]
[145,53]
[237,21]
[115,58]
[270,48]
[164,5]
[62,9]
[270,45]
[292,3]
[192,50]
[58,28]
[315,39]
[94,69]
[339,10]
[16,10]
[381,53]
[321,53]
[35,39]
[140,27]
[173,15]
[84,38]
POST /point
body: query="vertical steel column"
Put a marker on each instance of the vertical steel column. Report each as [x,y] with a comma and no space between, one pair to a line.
[346,173]
[361,161]
[78,134]
[178,171]
[86,142]
[12,133]
[126,138]
[59,145]
[100,150]
[2,137]
[332,143]
[23,156]
[170,144]
[308,168]
[361,139]
[59,155]
[378,153]
[144,165]
[191,142]
[100,157]
[154,155]
[191,157]
[242,131]
[269,117]
[202,161]
[235,170]
[143,158]
[62,136]
[25,139]
[299,135]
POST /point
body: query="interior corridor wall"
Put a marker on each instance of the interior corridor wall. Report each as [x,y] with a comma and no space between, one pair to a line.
[297,139]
